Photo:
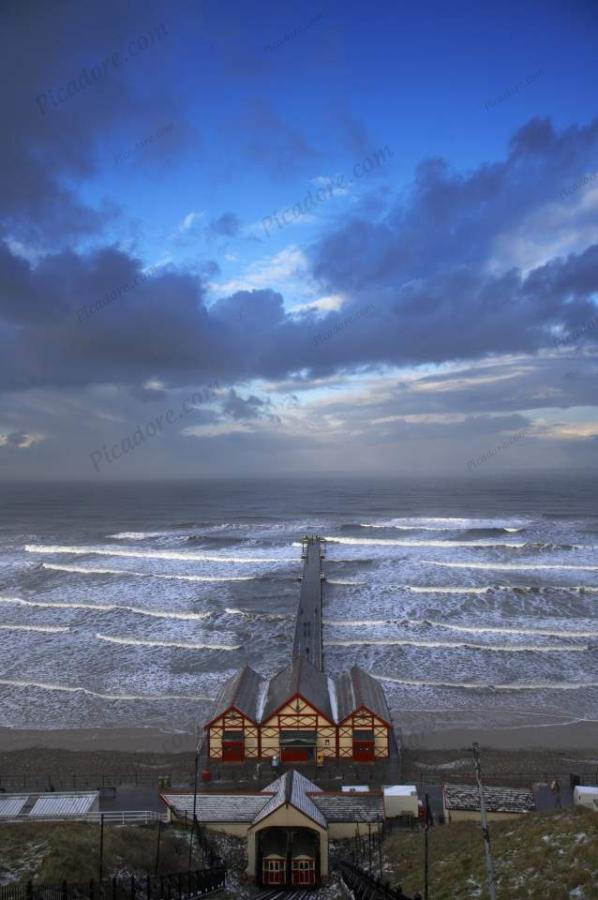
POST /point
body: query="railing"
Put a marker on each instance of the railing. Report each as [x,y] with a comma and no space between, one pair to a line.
[366,887]
[94,780]
[112,817]
[177,886]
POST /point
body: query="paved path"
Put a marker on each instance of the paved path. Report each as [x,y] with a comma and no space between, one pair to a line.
[308,630]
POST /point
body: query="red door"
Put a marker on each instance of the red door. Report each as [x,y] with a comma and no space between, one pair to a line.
[303,871]
[233,751]
[295,754]
[273,871]
[363,751]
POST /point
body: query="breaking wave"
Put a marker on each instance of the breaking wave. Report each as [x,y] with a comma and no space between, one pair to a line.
[345,583]
[390,542]
[49,629]
[48,686]
[105,607]
[511,566]
[152,554]
[454,645]
[447,523]
[82,570]
[545,686]
[139,642]
[466,629]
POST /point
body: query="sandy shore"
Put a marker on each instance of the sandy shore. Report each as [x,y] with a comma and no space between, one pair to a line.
[81,757]
[131,740]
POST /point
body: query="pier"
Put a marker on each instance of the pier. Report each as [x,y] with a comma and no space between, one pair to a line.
[308,628]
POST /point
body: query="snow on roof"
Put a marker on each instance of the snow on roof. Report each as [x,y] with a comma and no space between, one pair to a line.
[355,788]
[215,807]
[333,698]
[11,805]
[58,805]
[496,799]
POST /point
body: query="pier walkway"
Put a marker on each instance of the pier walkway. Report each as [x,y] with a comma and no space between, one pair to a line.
[308,630]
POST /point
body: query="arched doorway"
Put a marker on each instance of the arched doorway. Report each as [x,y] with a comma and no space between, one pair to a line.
[288,856]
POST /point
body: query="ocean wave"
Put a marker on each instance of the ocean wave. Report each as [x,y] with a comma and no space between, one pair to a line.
[83,570]
[151,554]
[430,589]
[248,614]
[391,542]
[514,686]
[139,642]
[67,689]
[510,566]
[140,535]
[447,523]
[47,629]
[108,607]
[345,583]
[454,645]
[466,629]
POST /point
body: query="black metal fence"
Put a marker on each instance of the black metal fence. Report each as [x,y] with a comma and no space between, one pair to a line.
[366,887]
[177,886]
[92,781]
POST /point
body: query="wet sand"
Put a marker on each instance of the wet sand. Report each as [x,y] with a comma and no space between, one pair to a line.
[72,758]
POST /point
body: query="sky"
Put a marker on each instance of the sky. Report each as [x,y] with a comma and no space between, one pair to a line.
[247,239]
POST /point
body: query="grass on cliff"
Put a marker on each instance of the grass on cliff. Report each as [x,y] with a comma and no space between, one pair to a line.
[544,856]
[55,852]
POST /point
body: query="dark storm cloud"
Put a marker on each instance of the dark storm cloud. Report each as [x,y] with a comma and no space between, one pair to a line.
[44,47]
[422,268]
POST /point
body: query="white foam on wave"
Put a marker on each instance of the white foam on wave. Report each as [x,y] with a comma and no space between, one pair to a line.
[454,645]
[107,607]
[392,542]
[124,573]
[446,523]
[142,535]
[466,629]
[539,686]
[67,689]
[47,629]
[510,566]
[418,589]
[139,642]
[151,554]
[249,614]
[498,629]
[345,583]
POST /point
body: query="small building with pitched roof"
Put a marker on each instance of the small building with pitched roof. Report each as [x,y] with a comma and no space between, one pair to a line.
[287,825]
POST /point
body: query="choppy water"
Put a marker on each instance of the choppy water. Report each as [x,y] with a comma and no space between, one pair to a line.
[129,605]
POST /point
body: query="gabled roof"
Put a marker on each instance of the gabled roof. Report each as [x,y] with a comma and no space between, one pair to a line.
[215,807]
[496,799]
[358,688]
[292,789]
[243,692]
[301,677]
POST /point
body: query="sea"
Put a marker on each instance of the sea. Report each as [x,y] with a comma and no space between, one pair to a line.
[474,601]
